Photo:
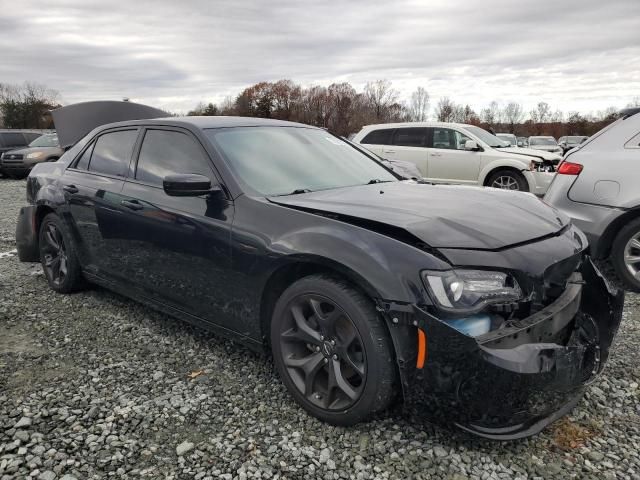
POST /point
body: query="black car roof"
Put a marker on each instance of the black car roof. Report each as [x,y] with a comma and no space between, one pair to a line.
[210,122]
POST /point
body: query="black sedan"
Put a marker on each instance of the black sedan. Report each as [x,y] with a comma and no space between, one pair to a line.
[477,307]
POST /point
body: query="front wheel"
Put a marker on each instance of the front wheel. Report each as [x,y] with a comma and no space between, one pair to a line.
[625,255]
[59,261]
[332,350]
[508,180]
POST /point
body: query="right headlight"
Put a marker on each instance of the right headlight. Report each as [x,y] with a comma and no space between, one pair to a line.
[464,292]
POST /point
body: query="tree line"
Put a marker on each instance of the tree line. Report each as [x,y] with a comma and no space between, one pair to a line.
[343,110]
[339,107]
[27,105]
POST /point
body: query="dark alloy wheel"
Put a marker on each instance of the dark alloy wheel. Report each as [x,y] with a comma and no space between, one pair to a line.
[323,352]
[332,350]
[54,254]
[60,265]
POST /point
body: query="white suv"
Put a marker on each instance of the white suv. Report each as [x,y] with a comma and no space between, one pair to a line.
[462,154]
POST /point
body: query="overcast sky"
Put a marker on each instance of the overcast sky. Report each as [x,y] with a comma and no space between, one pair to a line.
[576,55]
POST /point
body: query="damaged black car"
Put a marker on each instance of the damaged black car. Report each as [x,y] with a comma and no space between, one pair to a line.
[475,307]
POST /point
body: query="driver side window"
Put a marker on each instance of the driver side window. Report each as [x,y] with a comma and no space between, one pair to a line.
[165,152]
[449,139]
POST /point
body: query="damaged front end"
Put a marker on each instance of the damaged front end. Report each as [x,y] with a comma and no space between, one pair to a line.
[512,381]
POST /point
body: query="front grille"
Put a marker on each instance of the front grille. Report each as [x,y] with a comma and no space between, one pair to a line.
[12,156]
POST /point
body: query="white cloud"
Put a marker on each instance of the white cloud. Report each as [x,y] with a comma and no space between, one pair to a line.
[577,55]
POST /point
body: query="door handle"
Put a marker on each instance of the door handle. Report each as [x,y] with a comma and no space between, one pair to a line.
[132,204]
[389,151]
[70,189]
[436,154]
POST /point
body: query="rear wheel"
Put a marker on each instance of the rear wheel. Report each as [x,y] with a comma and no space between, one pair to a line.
[508,180]
[625,255]
[59,261]
[332,350]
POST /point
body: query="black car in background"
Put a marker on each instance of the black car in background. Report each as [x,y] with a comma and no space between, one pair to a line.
[476,307]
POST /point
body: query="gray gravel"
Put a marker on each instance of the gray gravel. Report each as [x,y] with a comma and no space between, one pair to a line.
[93,385]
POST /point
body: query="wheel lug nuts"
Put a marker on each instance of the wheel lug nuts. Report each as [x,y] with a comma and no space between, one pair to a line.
[333,342]
[335,357]
[317,349]
[322,337]
[326,360]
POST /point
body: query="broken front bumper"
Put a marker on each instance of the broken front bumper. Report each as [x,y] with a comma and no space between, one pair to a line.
[513,382]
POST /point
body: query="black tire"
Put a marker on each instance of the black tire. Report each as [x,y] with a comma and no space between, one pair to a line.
[508,180]
[57,256]
[366,363]
[618,248]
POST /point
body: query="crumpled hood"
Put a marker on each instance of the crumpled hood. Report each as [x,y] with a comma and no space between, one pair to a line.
[442,216]
[539,154]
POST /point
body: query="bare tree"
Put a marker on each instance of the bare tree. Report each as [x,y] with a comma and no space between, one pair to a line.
[513,114]
[446,110]
[419,105]
[492,114]
[380,96]
[542,113]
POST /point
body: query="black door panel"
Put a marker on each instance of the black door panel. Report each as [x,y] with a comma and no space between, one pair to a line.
[94,205]
[178,249]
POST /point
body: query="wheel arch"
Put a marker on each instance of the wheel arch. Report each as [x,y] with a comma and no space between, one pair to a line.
[605,242]
[497,168]
[295,269]
[288,273]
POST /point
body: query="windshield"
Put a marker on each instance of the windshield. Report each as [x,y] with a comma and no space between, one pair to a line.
[575,139]
[542,141]
[510,139]
[485,136]
[49,140]
[287,160]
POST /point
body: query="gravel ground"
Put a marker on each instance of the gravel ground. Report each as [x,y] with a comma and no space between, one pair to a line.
[93,385]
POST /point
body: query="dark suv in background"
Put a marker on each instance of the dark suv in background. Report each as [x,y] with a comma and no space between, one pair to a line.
[13,139]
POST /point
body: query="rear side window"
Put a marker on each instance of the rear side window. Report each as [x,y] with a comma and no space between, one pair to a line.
[165,152]
[112,152]
[378,137]
[13,139]
[410,137]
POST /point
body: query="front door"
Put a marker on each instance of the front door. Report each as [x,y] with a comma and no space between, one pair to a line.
[179,247]
[448,161]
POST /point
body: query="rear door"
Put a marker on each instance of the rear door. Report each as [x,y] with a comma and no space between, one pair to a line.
[409,144]
[92,187]
[178,248]
[448,161]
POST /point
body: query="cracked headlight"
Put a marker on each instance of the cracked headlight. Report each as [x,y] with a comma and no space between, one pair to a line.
[469,291]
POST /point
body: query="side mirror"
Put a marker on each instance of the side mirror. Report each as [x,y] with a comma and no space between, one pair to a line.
[471,145]
[188,185]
